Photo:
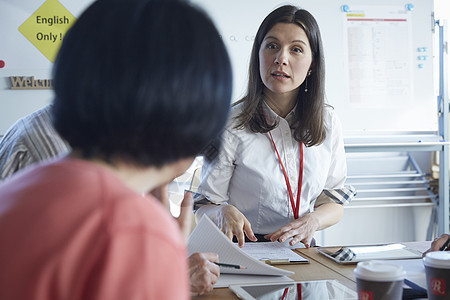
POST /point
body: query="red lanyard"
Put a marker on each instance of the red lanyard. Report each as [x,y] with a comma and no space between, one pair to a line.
[295,206]
[299,292]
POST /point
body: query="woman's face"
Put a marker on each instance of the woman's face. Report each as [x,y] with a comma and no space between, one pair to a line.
[285,58]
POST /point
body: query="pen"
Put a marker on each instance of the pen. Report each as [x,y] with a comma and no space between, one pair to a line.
[230,266]
[445,245]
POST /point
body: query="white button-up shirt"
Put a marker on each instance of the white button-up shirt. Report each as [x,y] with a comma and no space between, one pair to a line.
[248,174]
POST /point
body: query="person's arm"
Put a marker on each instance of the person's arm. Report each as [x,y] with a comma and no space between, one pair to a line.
[30,140]
[438,243]
[328,214]
[216,177]
[13,152]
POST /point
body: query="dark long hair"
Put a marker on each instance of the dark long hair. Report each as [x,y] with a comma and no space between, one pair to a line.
[309,126]
[143,81]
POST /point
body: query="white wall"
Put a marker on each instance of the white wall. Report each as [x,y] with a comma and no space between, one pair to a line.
[22,58]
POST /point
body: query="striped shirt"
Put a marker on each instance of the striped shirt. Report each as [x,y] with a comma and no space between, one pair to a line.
[31,139]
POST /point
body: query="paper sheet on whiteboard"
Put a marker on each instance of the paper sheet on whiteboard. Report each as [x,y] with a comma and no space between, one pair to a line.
[379,60]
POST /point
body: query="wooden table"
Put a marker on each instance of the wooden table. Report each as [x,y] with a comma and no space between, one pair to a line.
[314,270]
[318,268]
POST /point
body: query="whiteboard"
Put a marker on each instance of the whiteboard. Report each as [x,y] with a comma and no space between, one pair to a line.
[238,21]
[391,109]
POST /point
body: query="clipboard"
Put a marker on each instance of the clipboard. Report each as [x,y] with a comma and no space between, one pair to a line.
[371,252]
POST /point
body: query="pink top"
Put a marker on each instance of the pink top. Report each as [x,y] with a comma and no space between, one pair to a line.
[70,229]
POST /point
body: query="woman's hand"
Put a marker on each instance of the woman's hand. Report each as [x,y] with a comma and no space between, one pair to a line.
[234,223]
[300,230]
[303,229]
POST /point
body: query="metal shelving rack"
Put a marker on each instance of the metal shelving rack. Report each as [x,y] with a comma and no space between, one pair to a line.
[412,180]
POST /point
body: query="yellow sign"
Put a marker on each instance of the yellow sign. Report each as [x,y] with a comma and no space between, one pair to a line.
[46,28]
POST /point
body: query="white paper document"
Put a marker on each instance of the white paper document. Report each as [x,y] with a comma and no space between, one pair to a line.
[206,237]
[225,280]
[379,60]
[274,252]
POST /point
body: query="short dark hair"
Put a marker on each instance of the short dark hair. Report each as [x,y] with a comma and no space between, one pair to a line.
[143,81]
[309,124]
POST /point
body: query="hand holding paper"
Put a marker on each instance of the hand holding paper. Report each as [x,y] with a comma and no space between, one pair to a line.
[206,237]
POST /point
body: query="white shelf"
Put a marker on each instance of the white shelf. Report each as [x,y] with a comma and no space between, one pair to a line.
[394,142]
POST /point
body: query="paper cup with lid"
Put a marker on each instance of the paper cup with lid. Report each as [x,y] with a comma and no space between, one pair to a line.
[376,280]
[437,269]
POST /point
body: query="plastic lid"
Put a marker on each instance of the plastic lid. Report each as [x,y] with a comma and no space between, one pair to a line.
[437,259]
[374,270]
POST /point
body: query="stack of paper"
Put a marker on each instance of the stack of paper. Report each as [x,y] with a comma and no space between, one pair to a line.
[206,237]
[273,253]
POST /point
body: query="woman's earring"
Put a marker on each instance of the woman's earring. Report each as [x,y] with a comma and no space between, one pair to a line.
[306,81]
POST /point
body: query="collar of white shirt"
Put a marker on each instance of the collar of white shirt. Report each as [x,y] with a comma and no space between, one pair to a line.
[273,117]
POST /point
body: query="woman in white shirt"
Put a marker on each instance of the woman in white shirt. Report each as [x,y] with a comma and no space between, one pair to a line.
[281,170]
